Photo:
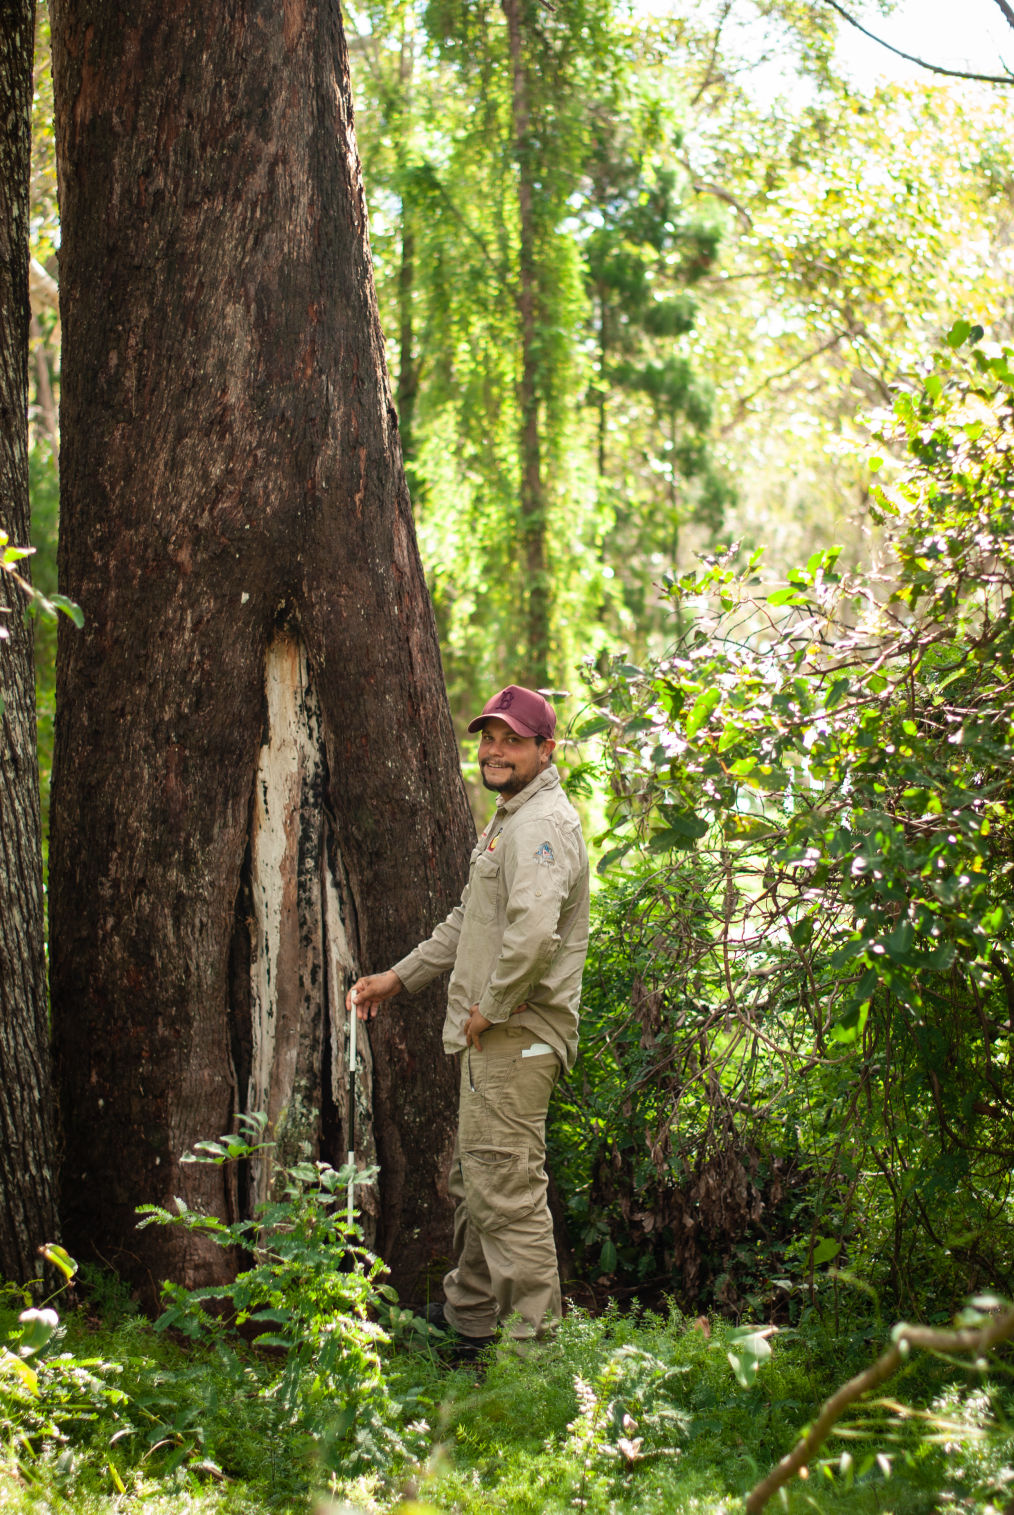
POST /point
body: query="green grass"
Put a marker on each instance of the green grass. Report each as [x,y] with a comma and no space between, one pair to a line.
[620,1413]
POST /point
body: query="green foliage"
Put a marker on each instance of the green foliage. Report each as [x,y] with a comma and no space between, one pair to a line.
[281,1382]
[312,1293]
[47,605]
[799,1008]
[46,1393]
[620,1412]
[44,493]
[623,415]
[627,1412]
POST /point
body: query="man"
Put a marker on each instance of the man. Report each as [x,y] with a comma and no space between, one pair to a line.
[517,944]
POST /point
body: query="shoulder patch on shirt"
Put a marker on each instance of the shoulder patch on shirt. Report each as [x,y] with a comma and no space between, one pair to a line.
[545,854]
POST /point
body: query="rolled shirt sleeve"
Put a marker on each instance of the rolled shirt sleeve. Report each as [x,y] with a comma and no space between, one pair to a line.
[435,955]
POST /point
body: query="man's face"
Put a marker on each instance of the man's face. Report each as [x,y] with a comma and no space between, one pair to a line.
[507,761]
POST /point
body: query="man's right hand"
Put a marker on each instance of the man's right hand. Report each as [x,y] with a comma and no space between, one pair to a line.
[369,993]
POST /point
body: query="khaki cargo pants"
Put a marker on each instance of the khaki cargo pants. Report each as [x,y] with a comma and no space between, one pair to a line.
[503,1232]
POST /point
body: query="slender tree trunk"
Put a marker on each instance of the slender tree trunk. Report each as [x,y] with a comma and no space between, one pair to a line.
[408,371]
[256,791]
[601,383]
[408,368]
[534,524]
[44,388]
[27,1188]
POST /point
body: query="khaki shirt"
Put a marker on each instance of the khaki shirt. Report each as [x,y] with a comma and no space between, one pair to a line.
[520,934]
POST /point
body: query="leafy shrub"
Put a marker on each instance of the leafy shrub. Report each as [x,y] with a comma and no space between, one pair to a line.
[799,1002]
[122,1408]
[312,1294]
[46,1393]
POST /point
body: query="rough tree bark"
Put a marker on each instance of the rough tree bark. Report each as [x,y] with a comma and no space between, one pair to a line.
[256,791]
[27,1192]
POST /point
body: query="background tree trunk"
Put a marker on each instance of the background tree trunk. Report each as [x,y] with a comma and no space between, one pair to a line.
[27,1192]
[534,524]
[256,790]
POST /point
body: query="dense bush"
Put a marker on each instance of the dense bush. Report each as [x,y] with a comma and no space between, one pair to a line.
[798,1017]
[280,1381]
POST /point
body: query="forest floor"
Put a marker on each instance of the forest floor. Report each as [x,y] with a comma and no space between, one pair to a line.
[623,1412]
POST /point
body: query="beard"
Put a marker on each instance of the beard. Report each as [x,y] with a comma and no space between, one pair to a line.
[505,780]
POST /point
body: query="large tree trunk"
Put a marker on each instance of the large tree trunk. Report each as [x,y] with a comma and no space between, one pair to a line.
[27,1192]
[256,791]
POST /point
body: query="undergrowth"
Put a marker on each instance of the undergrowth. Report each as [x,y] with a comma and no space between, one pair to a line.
[621,1412]
[343,1402]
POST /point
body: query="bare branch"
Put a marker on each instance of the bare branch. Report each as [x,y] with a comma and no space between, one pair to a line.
[972,1342]
[705,187]
[1008,13]
[934,68]
[709,72]
[784,373]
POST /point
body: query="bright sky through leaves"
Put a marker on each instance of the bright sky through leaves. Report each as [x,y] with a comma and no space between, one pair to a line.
[972,36]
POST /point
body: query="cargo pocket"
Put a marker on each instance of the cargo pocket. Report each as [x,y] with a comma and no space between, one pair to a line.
[497,1079]
[498,1189]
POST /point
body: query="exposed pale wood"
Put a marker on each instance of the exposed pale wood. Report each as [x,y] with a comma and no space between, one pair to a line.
[302,959]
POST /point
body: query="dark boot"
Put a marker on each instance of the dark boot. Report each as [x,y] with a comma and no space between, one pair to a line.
[459,1348]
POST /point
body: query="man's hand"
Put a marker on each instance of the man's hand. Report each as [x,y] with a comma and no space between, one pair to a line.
[369,993]
[475,1025]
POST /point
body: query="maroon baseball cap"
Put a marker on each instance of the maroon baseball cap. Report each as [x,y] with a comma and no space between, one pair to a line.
[525,712]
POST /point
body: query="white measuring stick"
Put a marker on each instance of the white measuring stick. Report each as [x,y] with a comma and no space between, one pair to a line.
[352,1096]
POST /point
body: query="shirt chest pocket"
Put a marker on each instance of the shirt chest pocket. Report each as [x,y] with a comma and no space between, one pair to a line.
[485,888]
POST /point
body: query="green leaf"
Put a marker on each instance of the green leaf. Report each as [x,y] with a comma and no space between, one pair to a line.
[702,708]
[802,932]
[899,943]
[958,334]
[826,1250]
[60,1259]
[69,607]
[608,1256]
[748,1349]
[669,840]
[686,823]
[39,1326]
[593,727]
[612,856]
[27,1374]
[852,1024]
[749,828]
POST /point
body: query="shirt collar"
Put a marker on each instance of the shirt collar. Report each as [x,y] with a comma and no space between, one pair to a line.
[549,778]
